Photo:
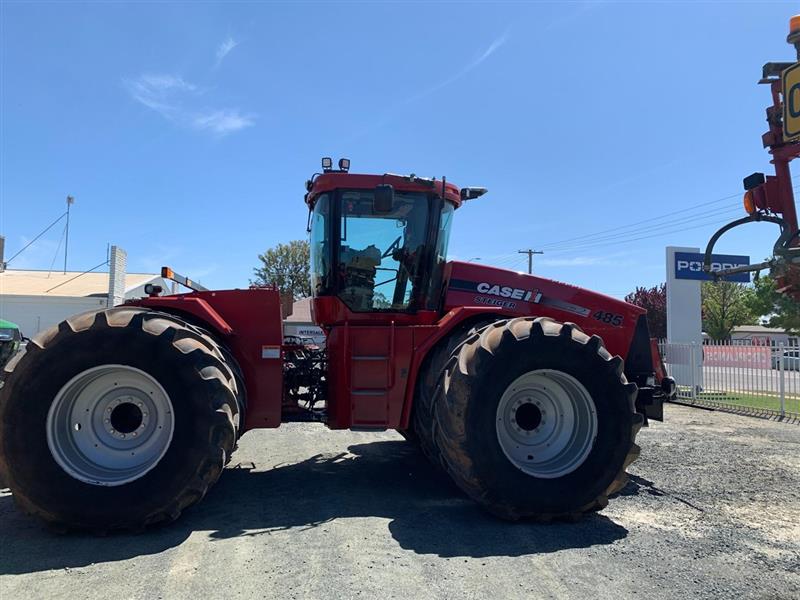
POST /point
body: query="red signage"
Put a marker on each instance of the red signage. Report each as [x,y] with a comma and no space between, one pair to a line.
[751,357]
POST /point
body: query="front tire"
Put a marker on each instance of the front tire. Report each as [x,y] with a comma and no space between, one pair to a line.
[116,420]
[535,419]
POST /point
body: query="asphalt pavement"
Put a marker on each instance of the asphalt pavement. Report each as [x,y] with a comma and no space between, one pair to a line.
[712,511]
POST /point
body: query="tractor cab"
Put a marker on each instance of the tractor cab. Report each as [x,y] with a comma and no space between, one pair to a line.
[378,242]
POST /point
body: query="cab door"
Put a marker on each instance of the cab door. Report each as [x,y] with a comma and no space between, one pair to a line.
[368,375]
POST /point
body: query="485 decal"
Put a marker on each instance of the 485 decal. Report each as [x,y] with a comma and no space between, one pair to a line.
[608,317]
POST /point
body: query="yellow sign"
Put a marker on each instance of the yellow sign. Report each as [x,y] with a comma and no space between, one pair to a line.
[791,102]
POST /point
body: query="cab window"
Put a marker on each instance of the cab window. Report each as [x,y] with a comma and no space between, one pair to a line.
[381,253]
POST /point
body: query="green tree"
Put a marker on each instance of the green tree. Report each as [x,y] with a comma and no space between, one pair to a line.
[726,305]
[379,300]
[287,267]
[778,309]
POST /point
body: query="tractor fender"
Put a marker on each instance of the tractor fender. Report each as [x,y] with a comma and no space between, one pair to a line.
[439,332]
[198,311]
[247,324]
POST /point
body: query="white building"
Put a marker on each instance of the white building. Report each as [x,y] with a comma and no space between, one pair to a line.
[760,335]
[36,300]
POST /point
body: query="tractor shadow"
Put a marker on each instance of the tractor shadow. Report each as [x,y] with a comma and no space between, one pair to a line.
[387,479]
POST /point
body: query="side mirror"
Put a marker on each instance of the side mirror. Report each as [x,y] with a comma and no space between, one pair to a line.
[470,193]
[383,199]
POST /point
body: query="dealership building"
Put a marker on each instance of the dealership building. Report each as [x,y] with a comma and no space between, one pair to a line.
[300,322]
[36,300]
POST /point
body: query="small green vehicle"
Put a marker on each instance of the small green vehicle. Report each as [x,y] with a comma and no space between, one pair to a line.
[10,339]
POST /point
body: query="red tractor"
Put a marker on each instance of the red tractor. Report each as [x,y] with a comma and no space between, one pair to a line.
[529,393]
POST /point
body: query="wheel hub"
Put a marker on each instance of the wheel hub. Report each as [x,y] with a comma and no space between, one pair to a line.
[110,425]
[528,416]
[546,423]
[127,418]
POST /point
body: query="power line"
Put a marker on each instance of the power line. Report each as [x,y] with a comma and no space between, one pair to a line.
[636,239]
[64,214]
[559,243]
[105,262]
[501,256]
[55,256]
[70,202]
[513,260]
[662,225]
[672,227]
[648,220]
[619,236]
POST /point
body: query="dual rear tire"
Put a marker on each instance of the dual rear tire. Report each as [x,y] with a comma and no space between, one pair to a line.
[534,419]
[141,410]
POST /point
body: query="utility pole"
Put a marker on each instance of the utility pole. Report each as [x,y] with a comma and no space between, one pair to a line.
[530,254]
[70,202]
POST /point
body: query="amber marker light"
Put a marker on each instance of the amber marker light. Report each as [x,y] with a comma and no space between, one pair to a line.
[794,23]
[749,202]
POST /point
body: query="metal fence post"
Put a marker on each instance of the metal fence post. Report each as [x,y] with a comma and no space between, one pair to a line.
[782,381]
[693,369]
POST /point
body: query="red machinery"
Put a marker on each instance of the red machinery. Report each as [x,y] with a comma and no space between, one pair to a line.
[771,198]
[528,392]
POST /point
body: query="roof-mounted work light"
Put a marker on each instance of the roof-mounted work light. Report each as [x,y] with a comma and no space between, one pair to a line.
[344,164]
[327,164]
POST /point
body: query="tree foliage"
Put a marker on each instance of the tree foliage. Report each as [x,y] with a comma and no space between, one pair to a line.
[778,309]
[379,300]
[287,267]
[725,306]
[653,299]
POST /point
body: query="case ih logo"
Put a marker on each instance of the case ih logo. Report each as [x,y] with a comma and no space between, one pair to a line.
[487,289]
[507,292]
[689,265]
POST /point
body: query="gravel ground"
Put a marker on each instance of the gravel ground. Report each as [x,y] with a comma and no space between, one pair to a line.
[712,511]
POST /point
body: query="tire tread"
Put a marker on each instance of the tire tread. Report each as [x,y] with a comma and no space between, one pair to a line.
[453,394]
[211,368]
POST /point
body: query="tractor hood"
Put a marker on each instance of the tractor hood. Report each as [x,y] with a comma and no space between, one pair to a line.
[469,284]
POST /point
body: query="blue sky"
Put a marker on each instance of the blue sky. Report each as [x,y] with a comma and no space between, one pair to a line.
[186,131]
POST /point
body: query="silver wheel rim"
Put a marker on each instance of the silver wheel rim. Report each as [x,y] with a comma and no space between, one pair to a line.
[110,425]
[546,423]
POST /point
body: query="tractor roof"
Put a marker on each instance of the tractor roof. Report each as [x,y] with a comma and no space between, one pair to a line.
[326,182]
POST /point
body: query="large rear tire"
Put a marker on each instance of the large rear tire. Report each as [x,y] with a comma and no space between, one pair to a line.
[116,420]
[535,419]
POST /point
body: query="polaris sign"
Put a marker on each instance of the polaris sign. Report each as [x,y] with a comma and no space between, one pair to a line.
[689,265]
